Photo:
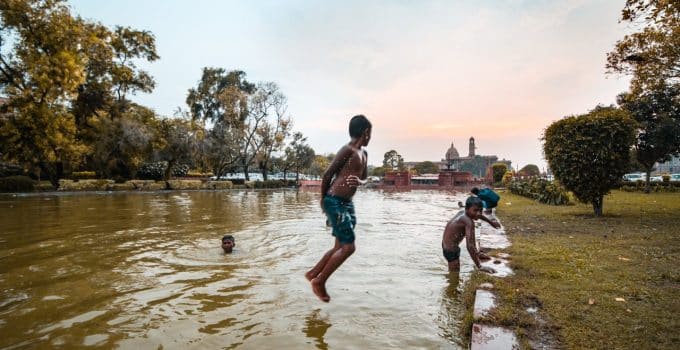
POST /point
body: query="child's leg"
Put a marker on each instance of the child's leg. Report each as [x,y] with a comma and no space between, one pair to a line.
[454,265]
[336,259]
[324,260]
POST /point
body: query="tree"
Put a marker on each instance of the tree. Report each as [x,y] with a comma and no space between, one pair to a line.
[589,153]
[179,141]
[498,170]
[39,73]
[119,146]
[220,97]
[378,171]
[529,170]
[274,130]
[393,160]
[319,165]
[651,55]
[298,155]
[657,112]
[426,167]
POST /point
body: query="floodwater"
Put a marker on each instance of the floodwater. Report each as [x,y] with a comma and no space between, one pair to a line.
[146,271]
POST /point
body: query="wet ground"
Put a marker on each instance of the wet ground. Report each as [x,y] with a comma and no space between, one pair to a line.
[143,270]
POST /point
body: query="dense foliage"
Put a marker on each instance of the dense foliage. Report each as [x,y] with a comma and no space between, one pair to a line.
[589,153]
[544,191]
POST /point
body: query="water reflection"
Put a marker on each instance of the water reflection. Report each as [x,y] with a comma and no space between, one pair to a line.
[316,327]
[451,308]
[145,270]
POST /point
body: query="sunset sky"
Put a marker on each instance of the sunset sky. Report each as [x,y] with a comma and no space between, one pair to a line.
[426,73]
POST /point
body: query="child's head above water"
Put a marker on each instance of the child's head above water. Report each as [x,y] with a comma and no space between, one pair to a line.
[228,243]
[475,190]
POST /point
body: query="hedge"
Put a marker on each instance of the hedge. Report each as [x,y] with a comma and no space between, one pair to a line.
[544,191]
[17,183]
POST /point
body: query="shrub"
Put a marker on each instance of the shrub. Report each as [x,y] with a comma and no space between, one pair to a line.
[18,183]
[544,191]
[180,170]
[507,178]
[152,171]
[82,175]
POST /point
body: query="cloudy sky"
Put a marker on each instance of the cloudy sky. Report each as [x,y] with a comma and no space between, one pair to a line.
[426,73]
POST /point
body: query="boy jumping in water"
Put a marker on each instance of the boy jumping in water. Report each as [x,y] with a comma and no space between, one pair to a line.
[462,226]
[338,185]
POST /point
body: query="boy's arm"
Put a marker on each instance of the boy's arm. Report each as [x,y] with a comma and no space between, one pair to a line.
[337,163]
[493,223]
[472,246]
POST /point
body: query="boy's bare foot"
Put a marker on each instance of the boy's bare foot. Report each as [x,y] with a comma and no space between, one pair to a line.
[320,290]
[309,276]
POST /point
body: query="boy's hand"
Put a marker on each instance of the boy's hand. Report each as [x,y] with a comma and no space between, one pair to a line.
[354,181]
[321,204]
[495,224]
[487,269]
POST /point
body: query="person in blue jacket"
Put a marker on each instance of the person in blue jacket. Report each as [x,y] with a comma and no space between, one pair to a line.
[488,197]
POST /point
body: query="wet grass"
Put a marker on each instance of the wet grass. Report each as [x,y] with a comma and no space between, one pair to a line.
[572,267]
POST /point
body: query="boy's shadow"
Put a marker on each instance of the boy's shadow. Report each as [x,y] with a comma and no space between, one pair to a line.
[315,328]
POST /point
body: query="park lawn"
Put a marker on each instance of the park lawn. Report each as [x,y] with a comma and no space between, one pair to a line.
[573,266]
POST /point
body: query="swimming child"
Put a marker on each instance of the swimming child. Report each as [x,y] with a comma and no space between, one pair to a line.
[338,185]
[228,243]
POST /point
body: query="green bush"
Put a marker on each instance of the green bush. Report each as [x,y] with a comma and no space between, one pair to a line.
[180,170]
[544,191]
[152,171]
[83,175]
[639,186]
[18,183]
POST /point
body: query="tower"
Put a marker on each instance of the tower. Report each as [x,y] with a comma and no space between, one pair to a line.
[472,147]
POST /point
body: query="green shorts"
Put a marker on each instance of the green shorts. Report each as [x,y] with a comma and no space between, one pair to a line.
[341,216]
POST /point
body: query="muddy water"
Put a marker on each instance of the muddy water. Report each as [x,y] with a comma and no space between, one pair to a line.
[145,270]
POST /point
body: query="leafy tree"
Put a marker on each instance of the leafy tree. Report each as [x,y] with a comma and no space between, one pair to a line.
[221,96]
[589,153]
[319,165]
[426,167]
[378,171]
[657,112]
[498,171]
[39,73]
[179,141]
[275,128]
[119,146]
[393,160]
[298,155]
[650,55]
[530,170]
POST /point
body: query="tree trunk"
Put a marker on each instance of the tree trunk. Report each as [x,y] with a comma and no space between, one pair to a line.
[168,170]
[649,176]
[245,172]
[597,205]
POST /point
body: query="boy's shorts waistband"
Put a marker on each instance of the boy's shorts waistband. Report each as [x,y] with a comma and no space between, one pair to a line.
[337,198]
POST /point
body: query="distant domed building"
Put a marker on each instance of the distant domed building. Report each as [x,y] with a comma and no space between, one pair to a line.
[476,164]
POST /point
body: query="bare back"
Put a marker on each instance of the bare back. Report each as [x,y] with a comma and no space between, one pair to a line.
[350,161]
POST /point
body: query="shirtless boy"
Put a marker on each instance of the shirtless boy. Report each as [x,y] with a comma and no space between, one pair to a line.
[461,226]
[338,185]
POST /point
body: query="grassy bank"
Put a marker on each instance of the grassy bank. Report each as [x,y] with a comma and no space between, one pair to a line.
[598,283]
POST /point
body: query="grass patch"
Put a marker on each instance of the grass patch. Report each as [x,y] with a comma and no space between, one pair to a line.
[572,267]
